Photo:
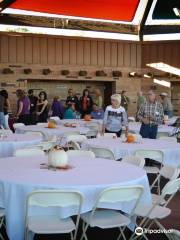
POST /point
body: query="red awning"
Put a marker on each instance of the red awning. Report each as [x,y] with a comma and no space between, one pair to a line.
[117,10]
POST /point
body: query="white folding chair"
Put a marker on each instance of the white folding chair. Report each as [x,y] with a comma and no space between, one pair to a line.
[17,125]
[53,224]
[168,172]
[162,134]
[169,139]
[25,152]
[75,141]
[106,218]
[135,160]
[155,155]
[2,215]
[56,119]
[152,214]
[41,124]
[131,119]
[80,153]
[102,153]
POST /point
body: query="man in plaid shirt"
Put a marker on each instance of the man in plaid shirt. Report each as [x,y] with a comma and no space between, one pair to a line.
[151,114]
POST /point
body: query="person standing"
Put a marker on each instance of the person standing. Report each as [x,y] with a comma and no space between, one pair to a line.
[33,106]
[141,99]
[86,103]
[167,105]
[4,93]
[124,100]
[151,115]
[57,108]
[115,117]
[23,106]
[42,106]
[2,118]
[73,99]
[98,100]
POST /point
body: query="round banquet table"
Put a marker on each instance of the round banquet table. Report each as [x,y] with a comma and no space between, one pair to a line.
[82,122]
[120,149]
[59,131]
[11,142]
[135,127]
[19,176]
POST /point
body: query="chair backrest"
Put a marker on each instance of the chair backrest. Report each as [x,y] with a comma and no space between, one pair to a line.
[156,155]
[56,198]
[135,160]
[169,172]
[171,187]
[169,139]
[76,138]
[120,194]
[35,133]
[102,152]
[71,133]
[17,125]
[108,135]
[41,124]
[74,145]
[28,152]
[56,119]
[80,153]
[131,119]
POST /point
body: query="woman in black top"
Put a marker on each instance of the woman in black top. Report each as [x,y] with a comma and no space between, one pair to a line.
[42,106]
[4,93]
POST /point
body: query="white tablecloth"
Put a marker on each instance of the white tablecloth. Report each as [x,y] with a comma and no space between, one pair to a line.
[15,141]
[135,126]
[59,131]
[20,176]
[120,149]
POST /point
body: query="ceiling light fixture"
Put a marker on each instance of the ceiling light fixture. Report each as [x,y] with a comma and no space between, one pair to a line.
[165,68]
[177,12]
[163,83]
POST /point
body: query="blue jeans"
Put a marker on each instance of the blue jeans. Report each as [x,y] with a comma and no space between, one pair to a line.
[149,131]
[2,120]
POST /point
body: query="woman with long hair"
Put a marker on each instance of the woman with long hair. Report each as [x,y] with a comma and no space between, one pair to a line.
[42,106]
[4,93]
[23,106]
[86,103]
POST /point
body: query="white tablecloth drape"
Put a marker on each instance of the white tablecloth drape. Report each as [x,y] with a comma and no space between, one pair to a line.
[20,176]
[120,149]
[60,131]
[16,141]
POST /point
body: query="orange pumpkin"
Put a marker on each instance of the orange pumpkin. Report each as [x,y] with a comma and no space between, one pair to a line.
[51,124]
[130,139]
[87,117]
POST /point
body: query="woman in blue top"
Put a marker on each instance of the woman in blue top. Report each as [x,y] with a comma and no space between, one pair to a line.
[70,112]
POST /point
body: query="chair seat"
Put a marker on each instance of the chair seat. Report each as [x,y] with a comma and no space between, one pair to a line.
[156,198]
[151,170]
[158,212]
[2,212]
[106,219]
[50,224]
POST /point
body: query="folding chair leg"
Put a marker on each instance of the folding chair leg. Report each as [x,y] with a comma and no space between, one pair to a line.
[121,233]
[1,237]
[84,228]
[161,227]
[72,238]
